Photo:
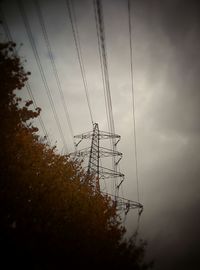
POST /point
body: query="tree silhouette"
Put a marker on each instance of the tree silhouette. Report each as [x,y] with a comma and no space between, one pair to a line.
[50,216]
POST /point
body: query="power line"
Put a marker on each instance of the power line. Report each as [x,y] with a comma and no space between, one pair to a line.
[79,53]
[103,60]
[98,9]
[35,106]
[55,71]
[28,87]
[101,32]
[101,63]
[33,45]
[133,99]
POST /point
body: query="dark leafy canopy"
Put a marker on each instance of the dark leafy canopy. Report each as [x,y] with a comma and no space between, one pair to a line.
[49,214]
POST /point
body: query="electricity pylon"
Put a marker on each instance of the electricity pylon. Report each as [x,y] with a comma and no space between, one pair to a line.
[95,152]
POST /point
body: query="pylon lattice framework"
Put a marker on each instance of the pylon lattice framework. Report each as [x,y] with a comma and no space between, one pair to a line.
[94,153]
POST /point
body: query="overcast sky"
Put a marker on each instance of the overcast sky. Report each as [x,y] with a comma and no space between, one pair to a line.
[166,62]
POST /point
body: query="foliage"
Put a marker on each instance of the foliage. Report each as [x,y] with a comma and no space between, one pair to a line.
[49,215]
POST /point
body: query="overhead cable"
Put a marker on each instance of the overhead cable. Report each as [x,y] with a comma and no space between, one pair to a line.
[28,87]
[101,35]
[133,98]
[72,18]
[98,9]
[55,71]
[101,63]
[33,45]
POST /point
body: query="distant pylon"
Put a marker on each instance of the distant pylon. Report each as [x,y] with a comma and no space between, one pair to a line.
[94,153]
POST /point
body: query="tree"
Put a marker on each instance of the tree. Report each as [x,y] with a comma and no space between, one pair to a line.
[50,214]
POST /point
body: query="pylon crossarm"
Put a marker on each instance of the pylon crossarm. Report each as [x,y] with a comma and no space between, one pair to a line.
[81,153]
[86,135]
[128,205]
[108,135]
[102,135]
[107,173]
[105,152]
[124,204]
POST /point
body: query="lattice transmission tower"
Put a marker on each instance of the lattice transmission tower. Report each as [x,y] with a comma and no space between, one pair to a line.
[95,152]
